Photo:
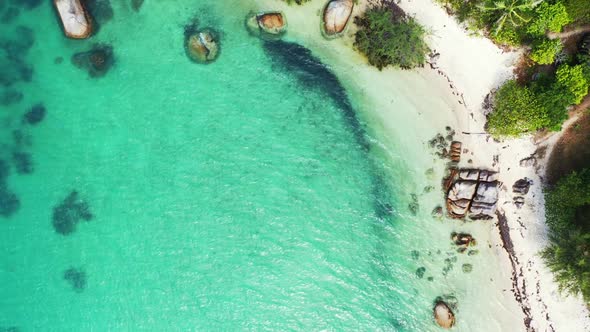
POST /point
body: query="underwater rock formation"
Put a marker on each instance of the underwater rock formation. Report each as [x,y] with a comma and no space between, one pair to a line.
[267,24]
[136,4]
[97,61]
[75,20]
[69,213]
[35,115]
[471,192]
[9,202]
[76,278]
[201,46]
[27,4]
[9,97]
[22,162]
[336,16]
[100,10]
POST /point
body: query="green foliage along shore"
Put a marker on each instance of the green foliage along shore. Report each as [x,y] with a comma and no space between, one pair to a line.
[520,109]
[568,217]
[389,37]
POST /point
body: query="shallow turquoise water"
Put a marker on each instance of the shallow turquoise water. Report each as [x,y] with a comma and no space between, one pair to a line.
[240,195]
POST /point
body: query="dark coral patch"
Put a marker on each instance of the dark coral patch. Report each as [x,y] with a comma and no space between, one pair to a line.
[100,10]
[69,213]
[22,162]
[96,61]
[76,278]
[27,4]
[35,115]
[9,97]
[9,15]
[136,4]
[9,202]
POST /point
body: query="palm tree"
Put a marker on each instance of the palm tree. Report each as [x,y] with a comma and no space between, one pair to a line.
[511,11]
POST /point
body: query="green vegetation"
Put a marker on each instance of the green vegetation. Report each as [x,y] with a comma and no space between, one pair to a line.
[516,111]
[567,212]
[545,51]
[549,18]
[389,38]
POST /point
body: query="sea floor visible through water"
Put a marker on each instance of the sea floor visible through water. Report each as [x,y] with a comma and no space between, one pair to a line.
[253,193]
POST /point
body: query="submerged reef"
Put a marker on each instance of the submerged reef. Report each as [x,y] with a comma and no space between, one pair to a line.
[69,213]
[22,162]
[76,277]
[97,61]
[101,12]
[9,202]
[136,4]
[35,115]
[27,4]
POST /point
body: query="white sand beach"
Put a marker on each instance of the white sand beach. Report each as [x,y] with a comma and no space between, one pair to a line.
[408,108]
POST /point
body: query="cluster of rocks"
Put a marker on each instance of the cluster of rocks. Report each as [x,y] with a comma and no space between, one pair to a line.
[201,45]
[445,146]
[521,188]
[463,241]
[336,16]
[471,193]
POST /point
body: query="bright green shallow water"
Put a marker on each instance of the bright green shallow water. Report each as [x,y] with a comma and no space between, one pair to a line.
[231,196]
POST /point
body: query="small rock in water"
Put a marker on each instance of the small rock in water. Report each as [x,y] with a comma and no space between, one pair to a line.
[437,212]
[443,315]
[202,46]
[35,115]
[414,206]
[9,97]
[415,254]
[473,252]
[76,278]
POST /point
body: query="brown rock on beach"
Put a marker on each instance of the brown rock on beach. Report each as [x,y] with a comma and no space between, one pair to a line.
[336,16]
[443,315]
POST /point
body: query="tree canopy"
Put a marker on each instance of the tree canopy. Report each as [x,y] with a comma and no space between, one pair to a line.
[387,39]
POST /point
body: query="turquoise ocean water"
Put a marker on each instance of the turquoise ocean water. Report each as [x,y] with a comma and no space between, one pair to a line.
[241,195]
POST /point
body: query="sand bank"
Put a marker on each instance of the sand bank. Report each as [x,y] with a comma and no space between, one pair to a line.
[407,108]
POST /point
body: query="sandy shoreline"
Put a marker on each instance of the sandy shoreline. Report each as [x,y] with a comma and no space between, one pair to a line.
[452,94]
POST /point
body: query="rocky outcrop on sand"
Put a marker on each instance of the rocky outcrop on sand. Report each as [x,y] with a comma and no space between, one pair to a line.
[267,23]
[74,18]
[336,15]
[443,315]
[463,241]
[471,193]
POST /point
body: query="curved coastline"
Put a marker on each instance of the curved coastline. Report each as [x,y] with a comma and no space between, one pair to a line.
[451,93]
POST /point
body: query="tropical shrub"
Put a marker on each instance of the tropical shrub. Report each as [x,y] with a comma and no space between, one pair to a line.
[573,81]
[568,254]
[544,52]
[516,111]
[549,18]
[388,39]
[578,10]
[509,12]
